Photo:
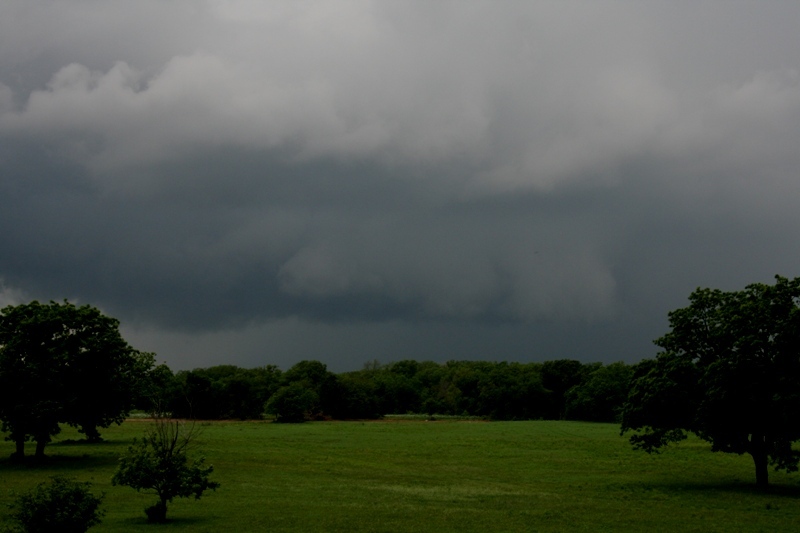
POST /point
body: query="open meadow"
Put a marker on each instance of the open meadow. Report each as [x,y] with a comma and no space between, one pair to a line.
[414,475]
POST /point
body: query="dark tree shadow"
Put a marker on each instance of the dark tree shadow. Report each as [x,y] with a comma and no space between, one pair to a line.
[80,442]
[181,522]
[59,462]
[779,490]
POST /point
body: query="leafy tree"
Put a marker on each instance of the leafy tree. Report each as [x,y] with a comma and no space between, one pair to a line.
[357,396]
[159,464]
[511,391]
[396,392]
[407,368]
[103,380]
[437,392]
[246,391]
[292,403]
[62,505]
[323,384]
[224,392]
[159,390]
[63,364]
[601,396]
[729,373]
[558,377]
[198,396]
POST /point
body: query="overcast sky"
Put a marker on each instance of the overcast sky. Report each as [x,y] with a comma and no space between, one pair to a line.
[250,182]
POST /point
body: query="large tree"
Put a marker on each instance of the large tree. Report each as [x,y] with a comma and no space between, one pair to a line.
[60,363]
[729,372]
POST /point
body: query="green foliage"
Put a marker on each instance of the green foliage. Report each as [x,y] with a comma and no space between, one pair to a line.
[294,402]
[62,505]
[500,391]
[398,388]
[323,384]
[159,463]
[222,392]
[358,397]
[729,373]
[158,390]
[601,396]
[308,391]
[60,363]
[558,377]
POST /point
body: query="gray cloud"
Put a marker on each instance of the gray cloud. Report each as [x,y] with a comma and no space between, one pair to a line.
[372,179]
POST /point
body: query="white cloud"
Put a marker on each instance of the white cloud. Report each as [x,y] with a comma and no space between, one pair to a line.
[529,107]
[362,79]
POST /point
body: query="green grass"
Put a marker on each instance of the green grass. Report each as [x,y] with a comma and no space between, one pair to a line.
[433,476]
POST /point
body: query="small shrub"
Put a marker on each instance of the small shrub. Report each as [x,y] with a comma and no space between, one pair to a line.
[159,464]
[62,505]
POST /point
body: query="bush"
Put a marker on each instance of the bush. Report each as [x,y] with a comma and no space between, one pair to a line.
[159,464]
[62,505]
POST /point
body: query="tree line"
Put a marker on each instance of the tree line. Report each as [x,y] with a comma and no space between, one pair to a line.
[560,389]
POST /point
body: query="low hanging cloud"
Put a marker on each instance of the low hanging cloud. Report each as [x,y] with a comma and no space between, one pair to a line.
[456,272]
[201,166]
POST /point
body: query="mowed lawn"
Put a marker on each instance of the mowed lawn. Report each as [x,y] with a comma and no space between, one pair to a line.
[432,476]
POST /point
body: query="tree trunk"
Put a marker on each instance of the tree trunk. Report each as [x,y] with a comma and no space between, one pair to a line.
[758,449]
[157,513]
[40,444]
[19,455]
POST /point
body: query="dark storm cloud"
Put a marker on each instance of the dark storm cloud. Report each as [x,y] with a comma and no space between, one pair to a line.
[297,243]
[357,180]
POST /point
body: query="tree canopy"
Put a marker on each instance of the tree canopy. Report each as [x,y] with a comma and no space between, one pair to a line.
[60,363]
[308,391]
[729,372]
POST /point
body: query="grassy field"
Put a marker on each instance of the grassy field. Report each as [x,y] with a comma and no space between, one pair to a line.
[432,476]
